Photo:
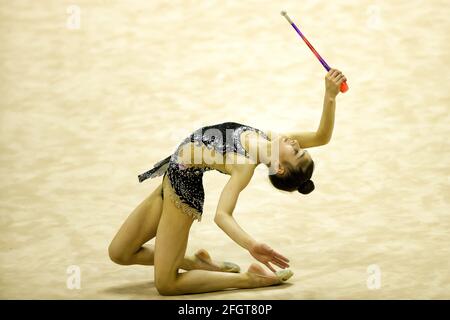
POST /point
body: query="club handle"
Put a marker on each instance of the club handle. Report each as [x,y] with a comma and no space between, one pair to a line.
[344,87]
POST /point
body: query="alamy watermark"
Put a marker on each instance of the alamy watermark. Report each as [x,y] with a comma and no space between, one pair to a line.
[374,20]
[73,21]
[74,277]
[374,278]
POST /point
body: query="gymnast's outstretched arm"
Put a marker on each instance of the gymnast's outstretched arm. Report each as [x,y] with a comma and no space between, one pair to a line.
[240,178]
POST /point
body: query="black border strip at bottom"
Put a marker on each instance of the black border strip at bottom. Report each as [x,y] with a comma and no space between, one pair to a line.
[224,309]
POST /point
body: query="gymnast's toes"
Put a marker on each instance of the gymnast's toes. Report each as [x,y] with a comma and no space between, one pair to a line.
[205,262]
[230,267]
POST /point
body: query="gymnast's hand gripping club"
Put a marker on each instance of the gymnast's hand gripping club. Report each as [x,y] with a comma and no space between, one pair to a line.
[344,86]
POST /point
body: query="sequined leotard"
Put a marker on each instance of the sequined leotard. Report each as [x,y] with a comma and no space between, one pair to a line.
[187,181]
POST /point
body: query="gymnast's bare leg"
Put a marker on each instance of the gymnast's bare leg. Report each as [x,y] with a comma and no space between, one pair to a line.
[127,247]
[171,242]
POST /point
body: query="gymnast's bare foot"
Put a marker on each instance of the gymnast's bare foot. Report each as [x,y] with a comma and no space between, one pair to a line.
[203,261]
[260,277]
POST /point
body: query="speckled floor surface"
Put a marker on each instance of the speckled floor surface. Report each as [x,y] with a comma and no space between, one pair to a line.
[84,111]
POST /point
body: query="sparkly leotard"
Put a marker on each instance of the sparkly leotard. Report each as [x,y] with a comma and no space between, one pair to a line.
[187,181]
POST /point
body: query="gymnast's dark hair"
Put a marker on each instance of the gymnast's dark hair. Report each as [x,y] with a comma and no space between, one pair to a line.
[294,179]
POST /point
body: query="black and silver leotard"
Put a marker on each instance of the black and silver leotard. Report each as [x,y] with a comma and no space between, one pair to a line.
[186,181]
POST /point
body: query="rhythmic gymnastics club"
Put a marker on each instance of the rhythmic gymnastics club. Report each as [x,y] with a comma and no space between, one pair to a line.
[344,86]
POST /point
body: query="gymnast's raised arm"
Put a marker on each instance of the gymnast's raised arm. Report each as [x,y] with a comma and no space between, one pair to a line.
[240,178]
[322,136]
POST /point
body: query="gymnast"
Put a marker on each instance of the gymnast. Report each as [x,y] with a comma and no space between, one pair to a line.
[168,212]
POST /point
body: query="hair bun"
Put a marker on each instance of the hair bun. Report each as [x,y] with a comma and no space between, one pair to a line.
[306,187]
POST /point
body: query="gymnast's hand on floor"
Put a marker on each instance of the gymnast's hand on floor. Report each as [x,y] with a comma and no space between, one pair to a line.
[333,81]
[265,254]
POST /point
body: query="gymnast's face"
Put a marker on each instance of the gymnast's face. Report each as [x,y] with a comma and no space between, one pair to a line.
[290,152]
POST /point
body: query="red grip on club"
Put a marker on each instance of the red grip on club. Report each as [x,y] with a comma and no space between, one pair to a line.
[344,86]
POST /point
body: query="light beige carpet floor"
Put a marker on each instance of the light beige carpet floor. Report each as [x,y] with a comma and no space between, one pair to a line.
[84,110]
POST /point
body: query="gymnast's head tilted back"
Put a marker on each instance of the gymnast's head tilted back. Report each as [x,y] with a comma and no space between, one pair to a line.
[294,168]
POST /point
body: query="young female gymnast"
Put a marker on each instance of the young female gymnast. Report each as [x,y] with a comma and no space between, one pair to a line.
[168,212]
